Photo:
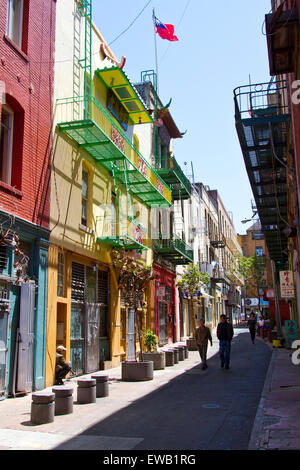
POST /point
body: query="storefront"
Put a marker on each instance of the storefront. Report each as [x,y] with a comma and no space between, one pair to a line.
[165,321]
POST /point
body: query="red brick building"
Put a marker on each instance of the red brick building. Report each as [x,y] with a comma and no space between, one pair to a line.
[27,39]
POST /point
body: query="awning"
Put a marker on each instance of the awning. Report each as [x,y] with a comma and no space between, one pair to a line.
[173,130]
[117,80]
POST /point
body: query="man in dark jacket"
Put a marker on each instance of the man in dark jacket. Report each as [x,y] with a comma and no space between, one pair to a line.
[202,336]
[62,367]
[225,335]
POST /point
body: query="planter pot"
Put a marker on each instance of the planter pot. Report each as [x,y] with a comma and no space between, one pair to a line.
[137,371]
[191,344]
[158,358]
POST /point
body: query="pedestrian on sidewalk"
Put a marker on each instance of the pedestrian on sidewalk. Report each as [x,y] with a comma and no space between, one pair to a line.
[62,367]
[225,335]
[252,326]
[203,335]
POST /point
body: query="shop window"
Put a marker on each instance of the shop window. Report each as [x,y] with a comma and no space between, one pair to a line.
[117,109]
[259,251]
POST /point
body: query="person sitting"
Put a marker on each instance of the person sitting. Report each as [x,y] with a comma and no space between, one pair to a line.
[62,367]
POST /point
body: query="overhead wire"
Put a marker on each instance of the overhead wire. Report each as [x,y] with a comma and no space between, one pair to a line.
[131,24]
[177,27]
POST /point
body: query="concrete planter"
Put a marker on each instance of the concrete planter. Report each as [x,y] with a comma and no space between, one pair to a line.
[191,344]
[137,371]
[158,358]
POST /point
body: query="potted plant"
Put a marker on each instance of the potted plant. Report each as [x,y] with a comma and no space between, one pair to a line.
[151,354]
[133,280]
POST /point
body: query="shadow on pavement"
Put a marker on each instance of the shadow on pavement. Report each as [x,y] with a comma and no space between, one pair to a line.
[211,409]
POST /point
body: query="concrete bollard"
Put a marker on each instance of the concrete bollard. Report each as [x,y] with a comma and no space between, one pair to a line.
[101,385]
[86,391]
[180,350]
[169,358]
[176,355]
[42,407]
[63,400]
[186,351]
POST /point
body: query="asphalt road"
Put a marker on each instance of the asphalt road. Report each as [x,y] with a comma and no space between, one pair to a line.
[199,410]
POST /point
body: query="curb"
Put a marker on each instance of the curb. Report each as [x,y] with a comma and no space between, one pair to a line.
[255,442]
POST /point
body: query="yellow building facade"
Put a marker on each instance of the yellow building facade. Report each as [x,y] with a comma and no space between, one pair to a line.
[102,192]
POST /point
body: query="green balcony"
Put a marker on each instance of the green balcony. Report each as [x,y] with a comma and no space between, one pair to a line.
[88,124]
[170,171]
[174,250]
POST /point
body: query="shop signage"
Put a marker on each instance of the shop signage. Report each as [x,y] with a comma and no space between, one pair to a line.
[291,332]
[286,284]
[161,292]
[270,293]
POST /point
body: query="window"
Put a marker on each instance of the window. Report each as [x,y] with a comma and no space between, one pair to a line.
[61,275]
[259,251]
[85,197]
[117,109]
[6,143]
[14,25]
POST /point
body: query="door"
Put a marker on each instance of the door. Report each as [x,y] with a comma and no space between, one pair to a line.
[163,322]
[77,352]
[4,315]
[26,338]
[92,321]
[103,301]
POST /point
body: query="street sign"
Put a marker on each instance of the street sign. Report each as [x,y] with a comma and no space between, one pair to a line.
[291,332]
[287,284]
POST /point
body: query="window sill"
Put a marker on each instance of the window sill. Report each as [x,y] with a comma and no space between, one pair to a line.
[16,48]
[10,189]
[86,229]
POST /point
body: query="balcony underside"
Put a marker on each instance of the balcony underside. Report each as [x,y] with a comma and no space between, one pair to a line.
[170,171]
[181,187]
[263,140]
[88,135]
[175,251]
[117,242]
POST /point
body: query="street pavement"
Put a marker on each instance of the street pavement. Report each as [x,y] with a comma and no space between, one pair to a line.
[182,408]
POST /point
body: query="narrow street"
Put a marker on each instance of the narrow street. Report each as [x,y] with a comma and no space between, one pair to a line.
[198,410]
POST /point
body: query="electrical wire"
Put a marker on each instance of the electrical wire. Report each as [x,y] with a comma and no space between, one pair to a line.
[176,28]
[131,24]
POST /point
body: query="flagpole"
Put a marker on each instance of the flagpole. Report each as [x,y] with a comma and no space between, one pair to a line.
[155,47]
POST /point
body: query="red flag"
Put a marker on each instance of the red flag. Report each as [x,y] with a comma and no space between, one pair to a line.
[165,31]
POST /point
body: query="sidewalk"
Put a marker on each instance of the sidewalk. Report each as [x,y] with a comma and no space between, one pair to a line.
[18,433]
[277,422]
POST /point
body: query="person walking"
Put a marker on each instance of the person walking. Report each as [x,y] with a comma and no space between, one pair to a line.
[202,336]
[252,326]
[225,335]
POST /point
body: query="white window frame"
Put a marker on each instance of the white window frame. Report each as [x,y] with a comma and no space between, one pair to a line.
[15,31]
[8,145]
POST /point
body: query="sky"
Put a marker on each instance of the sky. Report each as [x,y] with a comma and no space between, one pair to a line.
[221,46]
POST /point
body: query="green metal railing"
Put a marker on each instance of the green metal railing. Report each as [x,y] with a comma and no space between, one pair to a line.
[107,143]
[171,172]
[175,248]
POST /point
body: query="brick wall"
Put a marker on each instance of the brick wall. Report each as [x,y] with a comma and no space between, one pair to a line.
[28,77]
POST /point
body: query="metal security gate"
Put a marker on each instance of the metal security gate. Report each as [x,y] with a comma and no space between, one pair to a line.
[103,301]
[89,318]
[163,323]
[26,338]
[4,315]
[78,318]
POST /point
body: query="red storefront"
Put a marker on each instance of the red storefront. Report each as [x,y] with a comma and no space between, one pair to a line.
[165,321]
